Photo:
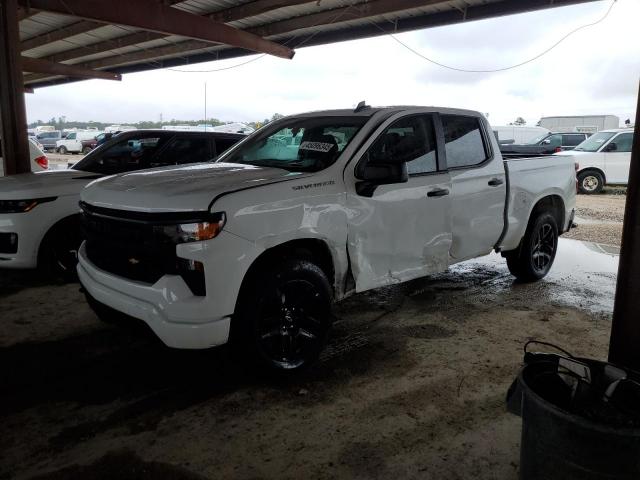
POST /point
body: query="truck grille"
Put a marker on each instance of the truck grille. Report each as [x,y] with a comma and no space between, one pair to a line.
[129,245]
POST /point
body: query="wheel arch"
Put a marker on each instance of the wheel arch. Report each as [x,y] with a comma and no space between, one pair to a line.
[593,169]
[72,221]
[553,204]
[313,249]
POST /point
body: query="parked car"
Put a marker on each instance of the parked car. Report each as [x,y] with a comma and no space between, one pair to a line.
[307,210]
[72,143]
[545,144]
[88,145]
[39,212]
[603,159]
[48,139]
[39,160]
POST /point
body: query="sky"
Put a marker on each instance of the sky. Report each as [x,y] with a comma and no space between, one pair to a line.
[594,71]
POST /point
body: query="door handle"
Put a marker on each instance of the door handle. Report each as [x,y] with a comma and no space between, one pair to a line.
[440,192]
[494,182]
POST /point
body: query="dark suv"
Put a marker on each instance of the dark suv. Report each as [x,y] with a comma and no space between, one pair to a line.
[545,144]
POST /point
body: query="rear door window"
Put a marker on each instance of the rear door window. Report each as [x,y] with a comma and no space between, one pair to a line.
[572,140]
[182,150]
[464,143]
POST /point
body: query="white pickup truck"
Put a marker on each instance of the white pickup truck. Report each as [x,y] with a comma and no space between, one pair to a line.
[309,209]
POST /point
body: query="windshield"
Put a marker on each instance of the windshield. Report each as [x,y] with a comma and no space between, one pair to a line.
[537,139]
[300,144]
[594,142]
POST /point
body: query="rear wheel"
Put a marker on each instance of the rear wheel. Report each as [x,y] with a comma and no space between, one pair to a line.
[590,182]
[86,150]
[534,258]
[283,316]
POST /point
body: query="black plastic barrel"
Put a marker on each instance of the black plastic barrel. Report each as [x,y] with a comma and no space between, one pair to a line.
[559,444]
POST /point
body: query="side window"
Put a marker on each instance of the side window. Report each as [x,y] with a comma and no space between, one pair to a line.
[623,142]
[464,145]
[572,140]
[415,132]
[223,144]
[184,150]
[71,136]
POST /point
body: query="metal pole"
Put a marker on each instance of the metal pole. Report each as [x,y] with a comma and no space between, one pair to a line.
[13,117]
[624,346]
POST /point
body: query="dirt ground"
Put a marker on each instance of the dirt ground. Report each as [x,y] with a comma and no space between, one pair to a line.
[599,217]
[412,384]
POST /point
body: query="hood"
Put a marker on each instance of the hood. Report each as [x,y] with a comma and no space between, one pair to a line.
[178,189]
[47,183]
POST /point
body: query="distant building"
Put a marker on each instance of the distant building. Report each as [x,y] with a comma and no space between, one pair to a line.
[580,123]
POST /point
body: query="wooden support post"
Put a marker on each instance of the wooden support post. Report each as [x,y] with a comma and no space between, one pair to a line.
[13,117]
[624,345]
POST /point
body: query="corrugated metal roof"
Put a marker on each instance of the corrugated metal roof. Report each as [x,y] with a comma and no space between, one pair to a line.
[118,48]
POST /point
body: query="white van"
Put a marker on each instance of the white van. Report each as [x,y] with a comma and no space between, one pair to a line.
[603,159]
[517,134]
[72,143]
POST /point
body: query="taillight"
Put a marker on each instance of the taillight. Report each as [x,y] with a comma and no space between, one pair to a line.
[43,161]
[558,149]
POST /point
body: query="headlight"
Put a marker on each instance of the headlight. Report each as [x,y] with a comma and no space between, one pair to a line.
[196,232]
[21,206]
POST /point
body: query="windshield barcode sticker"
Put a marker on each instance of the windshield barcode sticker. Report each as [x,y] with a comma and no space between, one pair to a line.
[316,146]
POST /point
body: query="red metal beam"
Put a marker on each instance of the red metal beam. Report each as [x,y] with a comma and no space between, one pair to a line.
[152,16]
[37,65]
[624,345]
[15,149]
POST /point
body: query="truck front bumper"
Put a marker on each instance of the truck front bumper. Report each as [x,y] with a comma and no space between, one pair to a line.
[178,317]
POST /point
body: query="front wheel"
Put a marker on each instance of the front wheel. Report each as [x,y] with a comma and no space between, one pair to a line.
[590,182]
[534,258]
[58,253]
[62,150]
[283,316]
[86,150]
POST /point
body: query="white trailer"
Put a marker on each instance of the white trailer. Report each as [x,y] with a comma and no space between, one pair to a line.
[580,123]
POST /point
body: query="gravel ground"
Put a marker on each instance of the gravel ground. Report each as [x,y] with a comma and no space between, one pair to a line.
[599,217]
[411,386]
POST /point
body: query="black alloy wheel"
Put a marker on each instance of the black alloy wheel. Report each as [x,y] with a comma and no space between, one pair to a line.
[544,248]
[283,317]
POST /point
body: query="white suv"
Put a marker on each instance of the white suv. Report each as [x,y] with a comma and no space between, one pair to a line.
[72,143]
[603,159]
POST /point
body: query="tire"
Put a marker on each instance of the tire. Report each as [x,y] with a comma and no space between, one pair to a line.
[590,182]
[105,313]
[58,254]
[63,150]
[534,258]
[86,150]
[283,317]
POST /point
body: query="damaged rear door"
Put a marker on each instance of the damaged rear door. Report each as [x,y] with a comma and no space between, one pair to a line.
[401,231]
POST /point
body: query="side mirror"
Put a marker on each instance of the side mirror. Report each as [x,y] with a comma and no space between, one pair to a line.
[612,147]
[546,142]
